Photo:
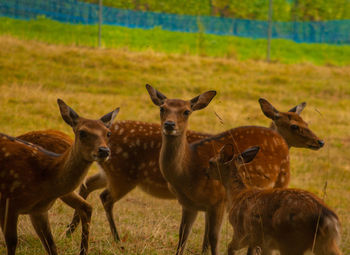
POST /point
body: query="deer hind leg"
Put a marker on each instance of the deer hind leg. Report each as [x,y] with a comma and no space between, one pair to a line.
[92,183]
[205,244]
[187,220]
[8,222]
[84,211]
[215,220]
[40,222]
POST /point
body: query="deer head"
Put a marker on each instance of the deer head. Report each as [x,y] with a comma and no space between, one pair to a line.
[291,126]
[224,167]
[91,137]
[174,113]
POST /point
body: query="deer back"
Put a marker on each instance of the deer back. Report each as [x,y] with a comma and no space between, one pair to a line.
[270,168]
[19,178]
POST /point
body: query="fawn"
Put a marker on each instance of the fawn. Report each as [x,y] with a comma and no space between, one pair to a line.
[32,178]
[289,220]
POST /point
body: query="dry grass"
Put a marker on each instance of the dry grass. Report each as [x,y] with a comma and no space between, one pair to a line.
[33,75]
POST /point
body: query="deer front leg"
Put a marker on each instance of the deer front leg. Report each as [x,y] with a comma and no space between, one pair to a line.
[8,221]
[188,217]
[84,210]
[92,183]
[206,234]
[40,222]
[215,220]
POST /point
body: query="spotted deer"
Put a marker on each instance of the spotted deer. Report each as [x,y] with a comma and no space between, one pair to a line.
[289,220]
[133,162]
[135,150]
[32,178]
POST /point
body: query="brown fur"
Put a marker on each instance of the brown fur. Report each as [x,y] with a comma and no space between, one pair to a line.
[33,178]
[281,219]
[139,167]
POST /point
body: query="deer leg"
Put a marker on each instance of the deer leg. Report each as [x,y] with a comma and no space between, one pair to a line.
[84,211]
[8,221]
[40,222]
[92,183]
[109,196]
[187,220]
[206,234]
[215,220]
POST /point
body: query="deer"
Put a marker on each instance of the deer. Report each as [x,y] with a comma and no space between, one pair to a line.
[32,178]
[292,221]
[135,147]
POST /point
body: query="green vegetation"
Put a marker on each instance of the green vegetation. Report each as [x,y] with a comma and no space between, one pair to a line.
[159,40]
[34,74]
[283,10]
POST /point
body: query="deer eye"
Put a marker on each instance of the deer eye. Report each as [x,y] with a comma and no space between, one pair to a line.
[162,110]
[187,112]
[82,134]
[109,134]
[294,127]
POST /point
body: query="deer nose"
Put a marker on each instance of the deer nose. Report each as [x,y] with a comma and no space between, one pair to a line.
[103,152]
[321,143]
[169,125]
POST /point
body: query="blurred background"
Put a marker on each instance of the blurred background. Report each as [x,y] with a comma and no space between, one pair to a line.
[245,27]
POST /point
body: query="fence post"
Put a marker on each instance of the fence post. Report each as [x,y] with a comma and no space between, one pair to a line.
[269,32]
[100,6]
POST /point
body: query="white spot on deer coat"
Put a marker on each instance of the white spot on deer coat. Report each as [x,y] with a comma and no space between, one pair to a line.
[116,127]
[121,131]
[138,142]
[118,150]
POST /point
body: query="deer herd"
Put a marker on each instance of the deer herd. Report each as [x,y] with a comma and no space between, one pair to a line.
[244,171]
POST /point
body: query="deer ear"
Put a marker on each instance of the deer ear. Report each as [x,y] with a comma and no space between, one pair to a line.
[299,108]
[201,101]
[268,109]
[247,155]
[226,153]
[109,117]
[67,113]
[157,97]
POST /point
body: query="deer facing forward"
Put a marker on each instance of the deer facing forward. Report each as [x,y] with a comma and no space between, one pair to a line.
[32,178]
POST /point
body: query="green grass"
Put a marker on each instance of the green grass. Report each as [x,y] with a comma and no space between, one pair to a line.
[94,81]
[159,40]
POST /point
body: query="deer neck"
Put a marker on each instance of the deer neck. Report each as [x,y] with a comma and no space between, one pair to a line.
[234,186]
[174,157]
[275,128]
[69,171]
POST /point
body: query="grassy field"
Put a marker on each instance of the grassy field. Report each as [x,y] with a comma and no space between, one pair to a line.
[93,82]
[158,40]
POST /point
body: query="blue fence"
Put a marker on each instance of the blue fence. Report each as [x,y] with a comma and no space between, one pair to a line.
[73,11]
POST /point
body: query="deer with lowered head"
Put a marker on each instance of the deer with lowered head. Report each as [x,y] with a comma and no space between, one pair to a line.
[32,178]
[292,221]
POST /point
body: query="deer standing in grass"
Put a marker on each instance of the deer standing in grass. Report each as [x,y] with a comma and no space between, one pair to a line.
[289,220]
[135,150]
[32,178]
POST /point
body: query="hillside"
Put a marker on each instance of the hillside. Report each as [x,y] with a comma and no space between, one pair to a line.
[93,81]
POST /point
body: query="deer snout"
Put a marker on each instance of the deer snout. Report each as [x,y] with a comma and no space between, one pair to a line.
[103,152]
[321,143]
[169,125]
